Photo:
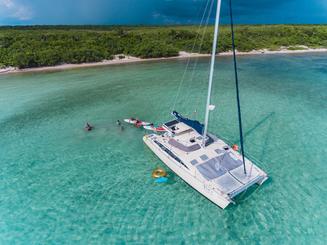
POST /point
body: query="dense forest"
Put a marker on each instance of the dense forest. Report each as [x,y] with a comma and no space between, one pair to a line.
[35,46]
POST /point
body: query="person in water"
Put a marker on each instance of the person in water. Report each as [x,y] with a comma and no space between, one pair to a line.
[88,127]
[120,126]
[138,123]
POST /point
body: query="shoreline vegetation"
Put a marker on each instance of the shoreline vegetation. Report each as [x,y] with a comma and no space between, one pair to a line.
[48,48]
[131,59]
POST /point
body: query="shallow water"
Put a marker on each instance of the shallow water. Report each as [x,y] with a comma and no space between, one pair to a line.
[61,185]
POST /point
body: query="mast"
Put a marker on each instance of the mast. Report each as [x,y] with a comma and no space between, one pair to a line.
[236,85]
[212,67]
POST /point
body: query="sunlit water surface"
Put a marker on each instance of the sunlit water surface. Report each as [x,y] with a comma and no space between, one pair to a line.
[61,185]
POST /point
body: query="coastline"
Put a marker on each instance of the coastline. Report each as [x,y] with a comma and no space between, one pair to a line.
[131,59]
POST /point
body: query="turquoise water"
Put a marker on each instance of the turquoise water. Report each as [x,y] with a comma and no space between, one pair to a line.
[61,185]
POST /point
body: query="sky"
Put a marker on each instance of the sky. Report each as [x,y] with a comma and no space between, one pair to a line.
[157,12]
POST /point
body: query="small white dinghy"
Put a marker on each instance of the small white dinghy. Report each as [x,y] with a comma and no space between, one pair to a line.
[136,122]
[155,129]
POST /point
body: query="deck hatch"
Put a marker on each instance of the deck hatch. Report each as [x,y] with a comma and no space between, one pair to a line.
[182,147]
[194,162]
[171,123]
[219,151]
[204,157]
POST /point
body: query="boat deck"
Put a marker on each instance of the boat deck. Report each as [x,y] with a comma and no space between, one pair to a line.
[216,163]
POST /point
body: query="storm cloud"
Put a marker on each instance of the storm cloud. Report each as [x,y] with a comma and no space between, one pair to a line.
[157,12]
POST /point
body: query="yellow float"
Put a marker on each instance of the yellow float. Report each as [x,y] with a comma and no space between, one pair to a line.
[158,173]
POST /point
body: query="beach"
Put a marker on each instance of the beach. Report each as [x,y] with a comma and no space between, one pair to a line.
[182,55]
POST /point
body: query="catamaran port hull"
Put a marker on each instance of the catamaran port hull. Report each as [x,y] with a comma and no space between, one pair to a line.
[222,202]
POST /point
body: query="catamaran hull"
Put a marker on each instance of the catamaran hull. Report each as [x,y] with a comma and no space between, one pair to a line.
[181,171]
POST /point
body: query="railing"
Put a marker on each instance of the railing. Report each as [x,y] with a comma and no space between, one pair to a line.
[170,153]
[208,185]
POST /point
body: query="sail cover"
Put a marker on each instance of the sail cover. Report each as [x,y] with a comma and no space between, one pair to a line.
[196,125]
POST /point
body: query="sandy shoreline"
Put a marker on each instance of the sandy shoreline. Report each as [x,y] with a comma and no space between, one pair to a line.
[130,59]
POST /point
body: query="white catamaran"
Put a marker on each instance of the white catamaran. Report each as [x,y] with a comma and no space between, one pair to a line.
[202,160]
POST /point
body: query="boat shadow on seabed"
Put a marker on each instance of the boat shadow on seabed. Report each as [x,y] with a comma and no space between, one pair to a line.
[267,122]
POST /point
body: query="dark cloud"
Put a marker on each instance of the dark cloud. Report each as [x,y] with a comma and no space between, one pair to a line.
[165,11]
[188,9]
[252,11]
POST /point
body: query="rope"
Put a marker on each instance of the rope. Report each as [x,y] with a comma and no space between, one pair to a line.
[236,84]
[197,59]
[189,58]
[163,114]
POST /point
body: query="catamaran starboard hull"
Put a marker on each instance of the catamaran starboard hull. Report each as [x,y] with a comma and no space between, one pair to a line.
[178,169]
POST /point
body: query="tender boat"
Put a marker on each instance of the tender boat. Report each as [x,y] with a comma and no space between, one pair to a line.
[155,129]
[136,122]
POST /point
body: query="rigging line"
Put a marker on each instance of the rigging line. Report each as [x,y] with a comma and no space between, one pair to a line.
[199,50]
[189,58]
[237,85]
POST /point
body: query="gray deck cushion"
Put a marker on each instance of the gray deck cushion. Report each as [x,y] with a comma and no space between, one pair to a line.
[184,147]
